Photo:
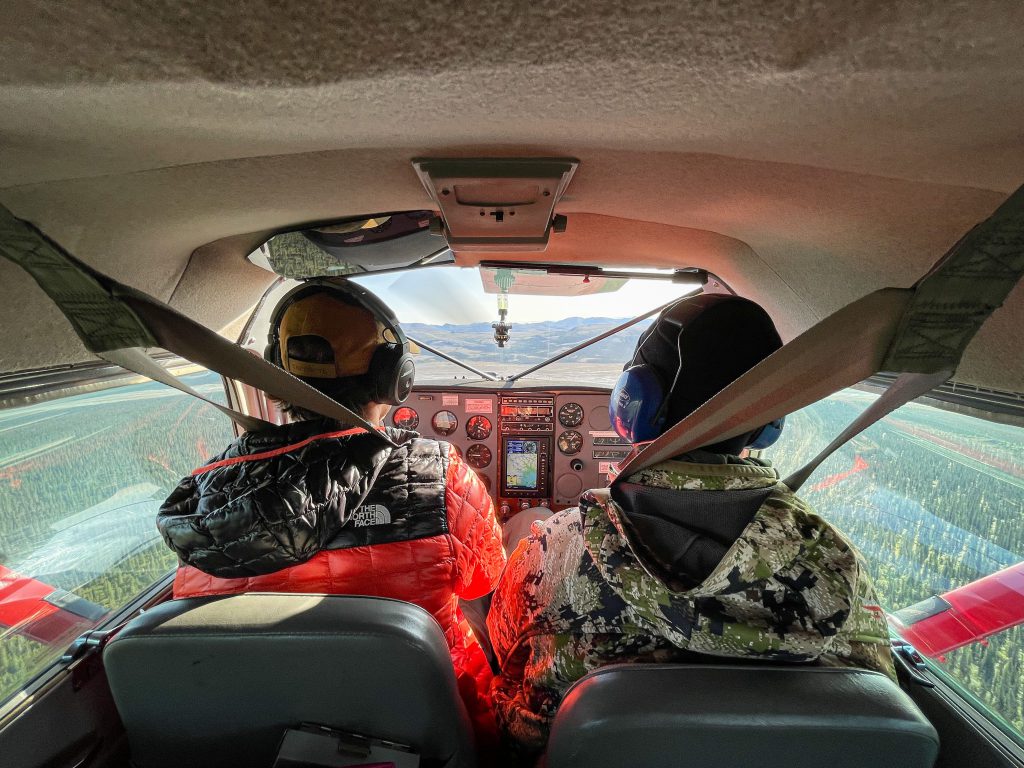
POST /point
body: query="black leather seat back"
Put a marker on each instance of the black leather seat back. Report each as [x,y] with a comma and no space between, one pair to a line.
[216,681]
[723,715]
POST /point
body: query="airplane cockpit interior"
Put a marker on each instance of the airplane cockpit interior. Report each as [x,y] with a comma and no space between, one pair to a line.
[567,386]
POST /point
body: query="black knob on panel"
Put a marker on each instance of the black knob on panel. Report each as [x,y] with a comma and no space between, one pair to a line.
[576,465]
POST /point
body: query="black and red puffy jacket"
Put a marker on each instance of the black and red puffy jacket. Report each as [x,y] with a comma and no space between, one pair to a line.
[306,507]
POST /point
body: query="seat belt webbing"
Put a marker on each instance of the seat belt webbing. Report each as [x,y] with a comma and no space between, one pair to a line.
[906,387]
[134,359]
[195,342]
[116,322]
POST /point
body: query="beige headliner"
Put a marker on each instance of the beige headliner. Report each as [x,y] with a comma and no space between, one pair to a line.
[824,148]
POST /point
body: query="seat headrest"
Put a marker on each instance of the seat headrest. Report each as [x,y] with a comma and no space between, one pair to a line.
[216,681]
[739,715]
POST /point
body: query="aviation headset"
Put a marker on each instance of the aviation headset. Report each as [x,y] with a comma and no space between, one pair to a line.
[392,369]
[639,403]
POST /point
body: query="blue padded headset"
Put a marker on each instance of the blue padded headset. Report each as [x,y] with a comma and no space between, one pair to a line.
[638,406]
[766,436]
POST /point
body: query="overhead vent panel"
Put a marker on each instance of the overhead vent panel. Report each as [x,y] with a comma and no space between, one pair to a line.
[497,204]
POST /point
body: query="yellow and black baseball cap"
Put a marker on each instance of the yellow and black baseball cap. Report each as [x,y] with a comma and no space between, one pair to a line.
[324,337]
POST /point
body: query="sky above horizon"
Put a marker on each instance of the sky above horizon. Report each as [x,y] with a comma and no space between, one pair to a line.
[439,295]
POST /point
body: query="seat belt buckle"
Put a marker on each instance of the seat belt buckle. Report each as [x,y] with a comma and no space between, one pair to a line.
[910,665]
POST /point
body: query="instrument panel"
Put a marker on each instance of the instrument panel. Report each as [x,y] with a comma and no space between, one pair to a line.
[530,448]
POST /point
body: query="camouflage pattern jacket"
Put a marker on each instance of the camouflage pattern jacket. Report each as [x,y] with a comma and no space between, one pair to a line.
[575,596]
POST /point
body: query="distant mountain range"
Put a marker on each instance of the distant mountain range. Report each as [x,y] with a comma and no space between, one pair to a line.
[531,342]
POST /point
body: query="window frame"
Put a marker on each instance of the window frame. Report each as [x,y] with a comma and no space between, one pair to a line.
[986,721]
[52,675]
[954,689]
[40,385]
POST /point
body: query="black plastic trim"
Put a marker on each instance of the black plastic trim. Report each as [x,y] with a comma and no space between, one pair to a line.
[40,385]
[988,404]
[1009,743]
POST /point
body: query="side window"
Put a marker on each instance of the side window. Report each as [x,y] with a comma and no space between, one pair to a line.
[935,502]
[81,479]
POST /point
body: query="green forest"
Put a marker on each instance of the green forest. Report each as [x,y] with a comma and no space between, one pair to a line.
[936,501]
[933,499]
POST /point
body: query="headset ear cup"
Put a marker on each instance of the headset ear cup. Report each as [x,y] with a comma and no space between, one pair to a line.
[767,436]
[392,372]
[635,404]
[381,374]
[405,379]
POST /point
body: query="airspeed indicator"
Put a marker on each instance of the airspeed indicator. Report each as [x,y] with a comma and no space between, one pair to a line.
[405,418]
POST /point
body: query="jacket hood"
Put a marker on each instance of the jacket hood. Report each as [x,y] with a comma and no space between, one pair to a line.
[683,542]
[274,497]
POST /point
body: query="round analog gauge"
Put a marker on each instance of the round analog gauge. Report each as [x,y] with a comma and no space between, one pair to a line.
[405,418]
[478,427]
[570,442]
[444,422]
[478,455]
[570,415]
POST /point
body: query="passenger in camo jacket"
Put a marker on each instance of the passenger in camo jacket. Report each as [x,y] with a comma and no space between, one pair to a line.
[664,577]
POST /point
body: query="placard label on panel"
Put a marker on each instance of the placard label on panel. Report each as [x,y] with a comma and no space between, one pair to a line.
[449,399]
[479,405]
[606,433]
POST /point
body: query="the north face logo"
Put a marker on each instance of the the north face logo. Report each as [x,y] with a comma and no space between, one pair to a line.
[371,514]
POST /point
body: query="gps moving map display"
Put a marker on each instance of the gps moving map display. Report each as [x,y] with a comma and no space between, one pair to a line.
[521,465]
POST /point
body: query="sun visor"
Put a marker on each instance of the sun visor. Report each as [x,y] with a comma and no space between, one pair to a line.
[538,282]
[497,204]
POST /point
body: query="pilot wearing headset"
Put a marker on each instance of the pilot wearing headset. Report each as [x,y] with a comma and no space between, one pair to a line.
[319,507]
[702,556]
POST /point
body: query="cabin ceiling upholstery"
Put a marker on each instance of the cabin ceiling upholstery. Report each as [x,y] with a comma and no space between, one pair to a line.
[808,152]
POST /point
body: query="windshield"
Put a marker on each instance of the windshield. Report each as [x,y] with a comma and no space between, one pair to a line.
[466,313]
